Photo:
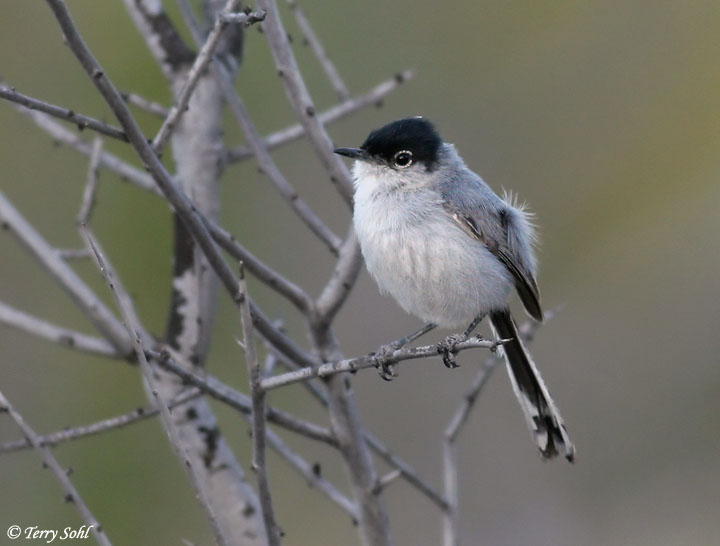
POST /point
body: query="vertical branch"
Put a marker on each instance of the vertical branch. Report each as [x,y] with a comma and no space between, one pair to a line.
[258,415]
[71,494]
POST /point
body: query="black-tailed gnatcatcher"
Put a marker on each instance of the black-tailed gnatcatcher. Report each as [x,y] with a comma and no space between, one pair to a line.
[449,250]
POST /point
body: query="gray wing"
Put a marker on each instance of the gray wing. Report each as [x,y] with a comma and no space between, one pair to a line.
[503,229]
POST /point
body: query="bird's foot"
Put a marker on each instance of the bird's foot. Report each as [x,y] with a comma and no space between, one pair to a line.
[447,348]
[380,361]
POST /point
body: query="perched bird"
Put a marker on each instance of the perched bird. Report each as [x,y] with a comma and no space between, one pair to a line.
[437,238]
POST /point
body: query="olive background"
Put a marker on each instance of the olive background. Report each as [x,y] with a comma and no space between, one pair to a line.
[603,115]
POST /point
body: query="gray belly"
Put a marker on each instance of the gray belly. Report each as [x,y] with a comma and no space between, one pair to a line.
[436,271]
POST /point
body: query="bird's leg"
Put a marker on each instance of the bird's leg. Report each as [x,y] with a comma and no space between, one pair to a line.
[380,357]
[447,346]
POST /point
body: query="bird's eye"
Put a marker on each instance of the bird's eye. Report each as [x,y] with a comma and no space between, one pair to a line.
[403,159]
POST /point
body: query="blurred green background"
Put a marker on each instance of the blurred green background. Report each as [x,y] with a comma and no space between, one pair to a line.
[603,115]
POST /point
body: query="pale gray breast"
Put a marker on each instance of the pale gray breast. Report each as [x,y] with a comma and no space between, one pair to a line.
[417,253]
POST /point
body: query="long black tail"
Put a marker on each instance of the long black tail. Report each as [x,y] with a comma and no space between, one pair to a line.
[543,418]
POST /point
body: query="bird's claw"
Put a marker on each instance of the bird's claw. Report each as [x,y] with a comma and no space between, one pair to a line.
[380,361]
[448,351]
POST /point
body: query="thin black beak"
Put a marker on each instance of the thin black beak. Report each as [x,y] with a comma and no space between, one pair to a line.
[353,153]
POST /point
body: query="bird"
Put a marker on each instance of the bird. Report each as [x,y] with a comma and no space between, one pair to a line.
[449,250]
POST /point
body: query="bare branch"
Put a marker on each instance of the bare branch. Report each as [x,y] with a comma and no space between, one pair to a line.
[76,340]
[182,205]
[71,494]
[269,167]
[82,121]
[312,474]
[314,42]
[82,295]
[88,198]
[284,136]
[106,425]
[258,415]
[147,105]
[62,135]
[342,279]
[410,474]
[301,101]
[168,359]
[371,360]
[137,333]
[201,61]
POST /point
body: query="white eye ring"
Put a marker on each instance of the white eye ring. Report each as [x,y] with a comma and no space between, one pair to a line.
[406,155]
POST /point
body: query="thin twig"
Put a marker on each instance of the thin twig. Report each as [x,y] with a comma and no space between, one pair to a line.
[292,133]
[301,101]
[269,167]
[312,474]
[57,334]
[408,472]
[71,494]
[343,277]
[385,480]
[196,71]
[314,42]
[259,462]
[147,105]
[372,360]
[93,308]
[88,198]
[265,161]
[62,135]
[211,385]
[137,333]
[99,427]
[82,121]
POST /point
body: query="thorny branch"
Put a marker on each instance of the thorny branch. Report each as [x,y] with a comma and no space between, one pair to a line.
[317,369]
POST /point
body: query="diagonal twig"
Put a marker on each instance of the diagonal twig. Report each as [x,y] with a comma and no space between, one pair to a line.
[88,198]
[314,42]
[99,427]
[168,359]
[284,136]
[147,105]
[301,101]
[258,148]
[70,338]
[71,494]
[82,121]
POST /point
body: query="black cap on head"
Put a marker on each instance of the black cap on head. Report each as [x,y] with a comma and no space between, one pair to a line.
[416,135]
